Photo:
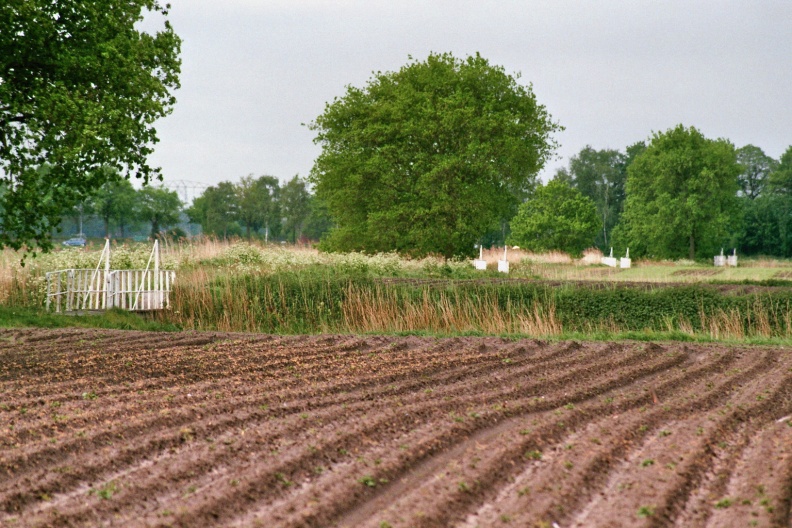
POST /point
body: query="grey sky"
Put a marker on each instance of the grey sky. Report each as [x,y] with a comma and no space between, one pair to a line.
[610,72]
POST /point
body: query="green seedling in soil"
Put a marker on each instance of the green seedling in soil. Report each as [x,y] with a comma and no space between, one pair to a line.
[723,503]
[523,491]
[280,477]
[645,511]
[568,464]
[533,455]
[385,524]
[105,492]
[663,433]
[368,481]
[648,462]
[505,518]
[89,395]
[569,406]
[463,487]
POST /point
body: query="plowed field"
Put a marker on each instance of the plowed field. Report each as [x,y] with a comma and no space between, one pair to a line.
[112,428]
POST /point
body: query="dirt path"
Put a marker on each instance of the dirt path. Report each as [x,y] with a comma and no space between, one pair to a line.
[111,428]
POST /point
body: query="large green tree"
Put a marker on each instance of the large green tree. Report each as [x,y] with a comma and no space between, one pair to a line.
[557,217]
[428,158]
[81,85]
[681,196]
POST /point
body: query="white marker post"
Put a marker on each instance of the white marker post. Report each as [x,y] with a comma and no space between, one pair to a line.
[731,260]
[503,265]
[625,261]
[720,260]
[609,261]
[480,263]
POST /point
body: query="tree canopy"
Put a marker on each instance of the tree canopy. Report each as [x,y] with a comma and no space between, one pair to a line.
[428,158]
[258,204]
[159,206]
[756,167]
[295,202]
[600,175]
[681,196]
[80,88]
[557,217]
[116,201]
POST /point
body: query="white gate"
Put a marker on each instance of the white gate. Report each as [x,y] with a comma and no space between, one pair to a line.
[72,290]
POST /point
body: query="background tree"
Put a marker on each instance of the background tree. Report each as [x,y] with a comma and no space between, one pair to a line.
[557,217]
[600,175]
[319,222]
[80,88]
[428,158]
[755,167]
[766,228]
[115,202]
[258,207]
[295,202]
[681,196]
[781,177]
[159,206]
[216,210]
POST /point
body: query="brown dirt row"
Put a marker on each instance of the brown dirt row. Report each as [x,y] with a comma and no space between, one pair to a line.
[129,428]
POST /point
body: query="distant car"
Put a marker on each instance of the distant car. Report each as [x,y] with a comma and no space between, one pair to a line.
[77,241]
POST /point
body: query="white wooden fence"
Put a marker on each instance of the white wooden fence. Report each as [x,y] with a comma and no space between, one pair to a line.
[72,290]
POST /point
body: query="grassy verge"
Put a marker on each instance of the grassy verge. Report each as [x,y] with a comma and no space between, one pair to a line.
[21,317]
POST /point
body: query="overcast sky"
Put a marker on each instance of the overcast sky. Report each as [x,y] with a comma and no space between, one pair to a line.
[610,72]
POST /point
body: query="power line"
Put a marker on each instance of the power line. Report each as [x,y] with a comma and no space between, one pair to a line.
[186,189]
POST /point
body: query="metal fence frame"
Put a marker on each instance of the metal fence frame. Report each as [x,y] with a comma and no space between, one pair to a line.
[72,290]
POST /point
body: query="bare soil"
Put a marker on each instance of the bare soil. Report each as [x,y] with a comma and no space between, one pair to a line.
[113,428]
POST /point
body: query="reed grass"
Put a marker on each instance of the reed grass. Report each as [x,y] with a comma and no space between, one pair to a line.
[295,302]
